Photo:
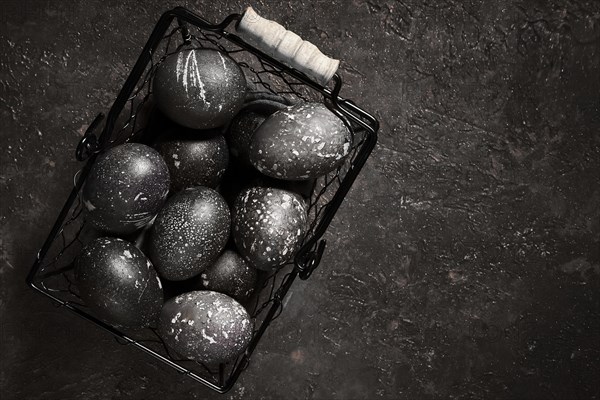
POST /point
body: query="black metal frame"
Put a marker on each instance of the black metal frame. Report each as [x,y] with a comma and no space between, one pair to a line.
[308,256]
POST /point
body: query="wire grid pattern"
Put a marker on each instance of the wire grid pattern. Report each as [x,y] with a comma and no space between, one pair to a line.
[56,272]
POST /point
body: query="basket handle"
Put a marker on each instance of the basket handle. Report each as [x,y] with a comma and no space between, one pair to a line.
[285,46]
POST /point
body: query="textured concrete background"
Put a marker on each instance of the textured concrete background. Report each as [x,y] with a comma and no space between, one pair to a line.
[465,262]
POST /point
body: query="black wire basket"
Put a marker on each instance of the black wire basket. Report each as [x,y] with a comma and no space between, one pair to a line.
[177,30]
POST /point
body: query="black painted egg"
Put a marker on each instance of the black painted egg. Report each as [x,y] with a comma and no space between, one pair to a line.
[125,188]
[244,124]
[199,88]
[193,159]
[189,233]
[230,275]
[118,283]
[205,326]
[268,225]
[240,133]
[304,141]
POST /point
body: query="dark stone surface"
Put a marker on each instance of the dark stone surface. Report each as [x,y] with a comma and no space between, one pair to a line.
[465,262]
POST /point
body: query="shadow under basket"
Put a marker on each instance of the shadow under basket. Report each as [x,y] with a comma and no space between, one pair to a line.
[128,120]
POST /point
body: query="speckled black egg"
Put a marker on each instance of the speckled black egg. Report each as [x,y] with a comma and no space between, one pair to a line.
[194,159]
[125,188]
[244,124]
[230,275]
[205,326]
[118,283]
[189,233]
[199,88]
[268,225]
[301,142]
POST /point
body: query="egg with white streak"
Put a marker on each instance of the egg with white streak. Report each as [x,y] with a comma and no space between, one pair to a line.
[199,88]
[125,189]
[118,283]
[189,233]
[205,326]
[303,141]
[268,225]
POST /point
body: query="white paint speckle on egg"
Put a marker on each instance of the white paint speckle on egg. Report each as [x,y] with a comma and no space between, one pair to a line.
[89,205]
[211,339]
[176,317]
